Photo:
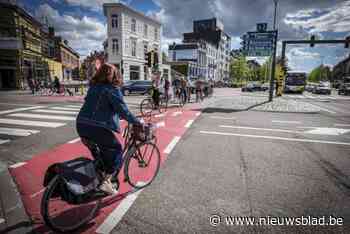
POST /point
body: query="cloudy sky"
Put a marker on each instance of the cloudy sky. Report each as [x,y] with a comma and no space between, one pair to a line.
[83,24]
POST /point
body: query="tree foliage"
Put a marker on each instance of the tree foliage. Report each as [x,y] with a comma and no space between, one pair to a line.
[320,73]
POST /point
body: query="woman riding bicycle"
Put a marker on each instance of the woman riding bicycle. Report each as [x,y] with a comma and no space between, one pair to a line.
[98,119]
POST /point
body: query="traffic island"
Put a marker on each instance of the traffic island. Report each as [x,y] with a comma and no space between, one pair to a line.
[259,103]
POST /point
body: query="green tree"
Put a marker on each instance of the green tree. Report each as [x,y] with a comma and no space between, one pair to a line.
[320,73]
[239,70]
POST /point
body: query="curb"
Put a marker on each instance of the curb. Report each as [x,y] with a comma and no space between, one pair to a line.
[289,112]
[13,217]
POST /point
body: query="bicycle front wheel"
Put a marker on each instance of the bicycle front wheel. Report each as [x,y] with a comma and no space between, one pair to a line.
[146,107]
[62,216]
[142,164]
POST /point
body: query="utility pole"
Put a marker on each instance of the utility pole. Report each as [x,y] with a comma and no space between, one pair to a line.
[273,55]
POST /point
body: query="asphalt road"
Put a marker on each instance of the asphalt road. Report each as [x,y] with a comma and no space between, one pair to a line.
[251,164]
[246,163]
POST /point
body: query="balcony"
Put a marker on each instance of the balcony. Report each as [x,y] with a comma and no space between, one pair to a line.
[10,43]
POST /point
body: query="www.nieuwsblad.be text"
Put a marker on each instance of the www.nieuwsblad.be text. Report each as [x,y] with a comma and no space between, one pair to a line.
[216,220]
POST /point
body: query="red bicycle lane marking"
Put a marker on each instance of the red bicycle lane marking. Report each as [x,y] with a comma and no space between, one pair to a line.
[29,177]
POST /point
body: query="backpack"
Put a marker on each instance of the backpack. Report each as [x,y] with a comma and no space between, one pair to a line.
[78,179]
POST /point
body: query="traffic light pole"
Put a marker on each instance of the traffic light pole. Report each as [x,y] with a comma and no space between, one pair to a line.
[273,65]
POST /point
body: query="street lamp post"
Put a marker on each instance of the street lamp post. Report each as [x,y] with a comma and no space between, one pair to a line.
[274,54]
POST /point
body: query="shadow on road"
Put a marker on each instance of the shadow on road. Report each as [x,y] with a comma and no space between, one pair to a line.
[228,110]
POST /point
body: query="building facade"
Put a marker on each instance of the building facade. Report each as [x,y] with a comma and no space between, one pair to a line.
[341,70]
[208,46]
[69,59]
[130,35]
[28,50]
[20,47]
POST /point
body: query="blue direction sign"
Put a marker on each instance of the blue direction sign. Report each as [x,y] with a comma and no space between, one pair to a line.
[259,43]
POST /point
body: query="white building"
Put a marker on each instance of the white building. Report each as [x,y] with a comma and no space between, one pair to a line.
[130,35]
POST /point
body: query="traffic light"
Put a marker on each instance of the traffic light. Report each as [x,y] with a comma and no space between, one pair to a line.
[347,41]
[150,59]
[312,41]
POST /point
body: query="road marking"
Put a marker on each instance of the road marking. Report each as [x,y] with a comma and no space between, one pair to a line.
[220,117]
[321,108]
[37,193]
[342,125]
[117,214]
[56,112]
[286,121]
[4,141]
[276,138]
[198,114]
[171,145]
[74,106]
[20,109]
[261,129]
[17,165]
[328,131]
[74,140]
[176,113]
[65,108]
[189,123]
[32,123]
[38,116]
[17,131]
[2,220]
[12,104]
[159,116]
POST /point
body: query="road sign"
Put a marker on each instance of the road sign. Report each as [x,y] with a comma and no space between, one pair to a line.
[260,43]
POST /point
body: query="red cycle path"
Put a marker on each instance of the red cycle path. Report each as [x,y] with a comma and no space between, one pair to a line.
[29,177]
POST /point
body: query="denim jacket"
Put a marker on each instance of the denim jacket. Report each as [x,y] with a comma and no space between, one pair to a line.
[104,106]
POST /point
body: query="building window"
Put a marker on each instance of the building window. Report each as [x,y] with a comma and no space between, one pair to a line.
[114,21]
[133,25]
[145,30]
[155,34]
[134,72]
[145,48]
[115,46]
[133,47]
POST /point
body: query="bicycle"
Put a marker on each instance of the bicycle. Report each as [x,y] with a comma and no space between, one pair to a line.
[180,97]
[135,157]
[147,106]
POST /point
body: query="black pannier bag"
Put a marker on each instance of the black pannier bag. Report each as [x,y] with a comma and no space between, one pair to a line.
[78,178]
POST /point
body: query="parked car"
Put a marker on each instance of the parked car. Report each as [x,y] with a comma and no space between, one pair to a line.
[344,89]
[137,86]
[265,87]
[310,87]
[323,88]
[251,87]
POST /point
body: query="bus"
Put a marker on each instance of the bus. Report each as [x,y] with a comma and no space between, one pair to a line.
[295,82]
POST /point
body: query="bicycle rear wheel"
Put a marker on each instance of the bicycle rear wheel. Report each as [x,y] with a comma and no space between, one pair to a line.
[62,216]
[146,107]
[142,164]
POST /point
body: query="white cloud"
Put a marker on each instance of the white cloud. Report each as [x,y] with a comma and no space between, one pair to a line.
[84,35]
[333,19]
[168,41]
[95,5]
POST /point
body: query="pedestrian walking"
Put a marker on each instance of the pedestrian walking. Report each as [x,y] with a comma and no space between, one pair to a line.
[166,88]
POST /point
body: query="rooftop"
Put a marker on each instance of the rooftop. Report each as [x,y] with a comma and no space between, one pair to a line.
[120,5]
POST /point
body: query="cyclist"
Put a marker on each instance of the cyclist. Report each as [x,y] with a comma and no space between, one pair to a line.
[98,119]
[176,88]
[156,91]
[166,88]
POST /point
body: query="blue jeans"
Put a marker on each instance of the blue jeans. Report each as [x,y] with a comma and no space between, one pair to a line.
[110,147]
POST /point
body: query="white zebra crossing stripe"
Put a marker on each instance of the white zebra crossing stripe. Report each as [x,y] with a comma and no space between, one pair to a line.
[65,108]
[32,123]
[17,131]
[38,116]
[20,109]
[74,106]
[4,141]
[56,112]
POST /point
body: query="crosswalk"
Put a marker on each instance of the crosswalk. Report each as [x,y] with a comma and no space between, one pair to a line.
[23,122]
